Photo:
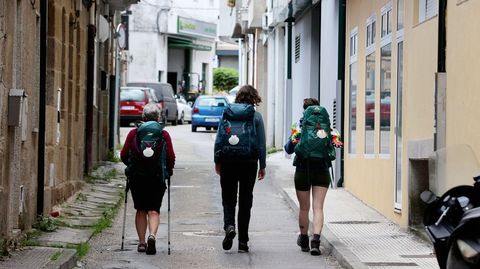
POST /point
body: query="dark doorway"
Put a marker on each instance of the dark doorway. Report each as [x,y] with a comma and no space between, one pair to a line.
[172,80]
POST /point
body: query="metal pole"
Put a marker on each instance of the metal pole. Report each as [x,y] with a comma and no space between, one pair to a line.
[168,194]
[117,90]
[42,106]
[91,65]
[288,82]
[124,213]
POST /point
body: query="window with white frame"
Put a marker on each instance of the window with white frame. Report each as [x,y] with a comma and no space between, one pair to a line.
[385,97]
[400,12]
[427,9]
[385,79]
[370,103]
[352,97]
[386,27]
[353,44]
[371,31]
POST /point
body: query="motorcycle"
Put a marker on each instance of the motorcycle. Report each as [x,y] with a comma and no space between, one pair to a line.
[452,220]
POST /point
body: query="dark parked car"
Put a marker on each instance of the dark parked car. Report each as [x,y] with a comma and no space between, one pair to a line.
[132,101]
[165,96]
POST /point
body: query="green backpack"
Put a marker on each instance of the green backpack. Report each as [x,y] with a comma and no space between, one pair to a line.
[148,156]
[315,137]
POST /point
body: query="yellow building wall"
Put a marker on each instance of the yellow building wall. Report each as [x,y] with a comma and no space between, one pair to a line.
[371,178]
[463,76]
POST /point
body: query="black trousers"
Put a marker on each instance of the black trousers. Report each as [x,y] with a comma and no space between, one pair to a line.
[238,177]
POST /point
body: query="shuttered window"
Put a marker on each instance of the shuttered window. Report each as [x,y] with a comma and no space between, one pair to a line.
[427,9]
[297,48]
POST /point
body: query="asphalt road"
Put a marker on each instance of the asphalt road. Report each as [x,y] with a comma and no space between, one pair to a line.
[196,221]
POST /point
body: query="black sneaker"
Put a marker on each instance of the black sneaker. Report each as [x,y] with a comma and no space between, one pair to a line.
[302,242]
[242,247]
[228,240]
[315,247]
[151,250]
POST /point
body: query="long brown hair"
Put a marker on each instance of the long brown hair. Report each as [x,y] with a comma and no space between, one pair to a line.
[310,102]
[249,95]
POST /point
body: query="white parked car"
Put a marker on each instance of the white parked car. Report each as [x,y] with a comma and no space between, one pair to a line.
[184,110]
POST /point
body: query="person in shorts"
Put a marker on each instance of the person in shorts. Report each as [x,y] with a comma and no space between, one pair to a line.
[312,179]
[147,191]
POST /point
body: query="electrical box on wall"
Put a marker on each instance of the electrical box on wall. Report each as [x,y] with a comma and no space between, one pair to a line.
[16,107]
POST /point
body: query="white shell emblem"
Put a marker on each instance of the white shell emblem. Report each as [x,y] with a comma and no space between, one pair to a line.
[148,152]
[233,140]
[321,133]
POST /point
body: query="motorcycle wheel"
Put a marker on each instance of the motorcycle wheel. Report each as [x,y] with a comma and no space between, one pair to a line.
[456,261]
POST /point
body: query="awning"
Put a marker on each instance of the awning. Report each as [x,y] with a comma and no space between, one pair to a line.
[179,43]
[120,4]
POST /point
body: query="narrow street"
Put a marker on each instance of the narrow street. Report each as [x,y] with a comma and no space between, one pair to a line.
[196,221]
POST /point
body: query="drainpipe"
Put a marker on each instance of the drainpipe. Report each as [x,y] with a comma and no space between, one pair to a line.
[442,36]
[90,90]
[42,106]
[289,87]
[319,91]
[439,136]
[342,9]
[114,96]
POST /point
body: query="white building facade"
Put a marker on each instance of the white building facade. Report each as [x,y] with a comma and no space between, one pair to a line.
[292,55]
[174,42]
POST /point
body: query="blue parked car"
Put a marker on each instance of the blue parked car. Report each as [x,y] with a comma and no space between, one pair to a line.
[207,112]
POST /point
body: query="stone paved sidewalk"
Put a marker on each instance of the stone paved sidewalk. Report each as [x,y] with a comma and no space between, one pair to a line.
[357,235]
[85,214]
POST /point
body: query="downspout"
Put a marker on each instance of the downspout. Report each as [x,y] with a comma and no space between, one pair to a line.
[319,49]
[90,90]
[439,136]
[442,36]
[42,106]
[342,19]
[289,87]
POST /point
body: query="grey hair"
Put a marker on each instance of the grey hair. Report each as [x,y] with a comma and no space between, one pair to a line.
[151,112]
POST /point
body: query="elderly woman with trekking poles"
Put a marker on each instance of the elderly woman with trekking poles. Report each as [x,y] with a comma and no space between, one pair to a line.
[312,143]
[149,156]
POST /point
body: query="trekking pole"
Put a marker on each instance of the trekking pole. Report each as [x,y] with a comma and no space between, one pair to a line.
[168,214]
[125,213]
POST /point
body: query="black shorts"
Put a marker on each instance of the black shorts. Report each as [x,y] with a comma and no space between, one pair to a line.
[147,193]
[304,179]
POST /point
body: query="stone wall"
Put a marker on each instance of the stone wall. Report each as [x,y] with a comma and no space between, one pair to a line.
[66,87]
[19,61]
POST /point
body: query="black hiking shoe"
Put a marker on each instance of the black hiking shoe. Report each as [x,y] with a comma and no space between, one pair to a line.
[242,247]
[315,247]
[229,235]
[302,242]
[151,250]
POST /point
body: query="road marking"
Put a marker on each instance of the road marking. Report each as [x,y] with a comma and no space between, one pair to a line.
[184,186]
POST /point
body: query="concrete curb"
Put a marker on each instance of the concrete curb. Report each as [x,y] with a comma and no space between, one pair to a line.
[330,242]
[66,261]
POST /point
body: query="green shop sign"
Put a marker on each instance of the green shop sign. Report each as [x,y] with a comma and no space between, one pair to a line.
[196,27]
